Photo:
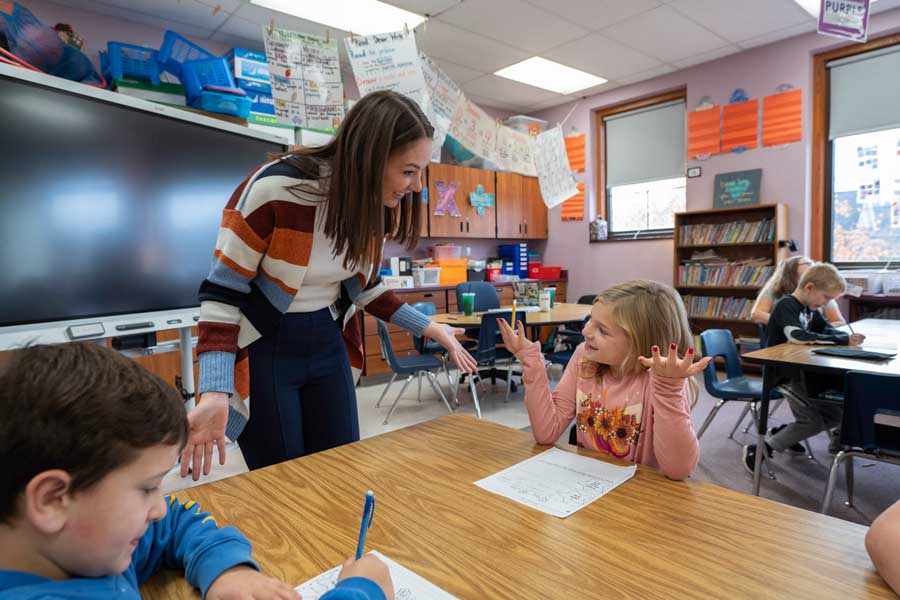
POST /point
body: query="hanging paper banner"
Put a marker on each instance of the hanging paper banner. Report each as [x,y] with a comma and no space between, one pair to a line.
[847,19]
[573,208]
[515,151]
[444,96]
[552,164]
[387,61]
[446,204]
[782,118]
[740,122]
[307,89]
[475,130]
[703,132]
[575,151]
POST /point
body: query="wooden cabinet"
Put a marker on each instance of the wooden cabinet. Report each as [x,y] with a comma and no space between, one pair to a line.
[470,223]
[521,213]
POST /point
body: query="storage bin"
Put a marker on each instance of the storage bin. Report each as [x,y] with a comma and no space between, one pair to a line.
[453,270]
[222,103]
[127,60]
[490,274]
[890,283]
[550,272]
[427,277]
[177,50]
[447,252]
[213,72]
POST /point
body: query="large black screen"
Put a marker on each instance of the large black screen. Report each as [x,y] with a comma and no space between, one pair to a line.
[106,209]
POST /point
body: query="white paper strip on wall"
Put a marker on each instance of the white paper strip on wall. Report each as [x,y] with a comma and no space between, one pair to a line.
[444,97]
[553,170]
[515,151]
[306,79]
[387,61]
[475,130]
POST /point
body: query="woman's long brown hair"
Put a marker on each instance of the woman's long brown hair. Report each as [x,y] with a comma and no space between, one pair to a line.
[356,219]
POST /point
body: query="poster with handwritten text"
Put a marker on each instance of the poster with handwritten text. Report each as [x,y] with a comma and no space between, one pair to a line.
[387,61]
[553,170]
[515,151]
[475,130]
[443,98]
[306,79]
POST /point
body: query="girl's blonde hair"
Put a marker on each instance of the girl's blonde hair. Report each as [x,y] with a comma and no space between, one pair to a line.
[786,277]
[652,314]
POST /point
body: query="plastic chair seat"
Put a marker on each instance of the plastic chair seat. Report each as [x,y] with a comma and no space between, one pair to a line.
[407,365]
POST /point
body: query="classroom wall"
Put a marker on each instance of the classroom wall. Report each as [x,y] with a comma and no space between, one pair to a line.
[785,170]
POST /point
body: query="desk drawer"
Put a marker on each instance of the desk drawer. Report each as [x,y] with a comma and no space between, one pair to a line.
[438,298]
[401,341]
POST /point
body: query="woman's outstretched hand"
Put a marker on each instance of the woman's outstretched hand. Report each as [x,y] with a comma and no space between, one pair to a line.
[445,335]
[206,425]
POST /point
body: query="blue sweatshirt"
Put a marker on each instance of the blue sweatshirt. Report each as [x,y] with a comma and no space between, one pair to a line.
[185,538]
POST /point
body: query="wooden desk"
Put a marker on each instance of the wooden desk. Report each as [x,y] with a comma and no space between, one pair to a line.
[802,355]
[559,314]
[649,538]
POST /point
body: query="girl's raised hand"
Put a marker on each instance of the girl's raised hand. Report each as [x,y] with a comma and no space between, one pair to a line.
[673,367]
[514,341]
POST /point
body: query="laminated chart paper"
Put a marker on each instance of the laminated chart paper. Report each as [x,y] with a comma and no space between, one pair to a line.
[515,151]
[573,208]
[553,170]
[306,79]
[475,130]
[557,482]
[575,150]
[740,122]
[443,98]
[407,585]
[388,61]
[703,131]
[782,118]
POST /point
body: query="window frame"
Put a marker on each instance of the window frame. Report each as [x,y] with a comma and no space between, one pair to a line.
[602,206]
[821,175]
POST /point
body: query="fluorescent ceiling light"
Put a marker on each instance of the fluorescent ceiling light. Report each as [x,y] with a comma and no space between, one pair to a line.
[549,75]
[364,17]
[813,6]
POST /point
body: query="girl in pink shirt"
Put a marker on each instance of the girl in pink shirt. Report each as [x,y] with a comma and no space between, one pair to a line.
[624,404]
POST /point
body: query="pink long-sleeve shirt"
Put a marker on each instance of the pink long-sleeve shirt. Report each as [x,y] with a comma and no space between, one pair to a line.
[643,418]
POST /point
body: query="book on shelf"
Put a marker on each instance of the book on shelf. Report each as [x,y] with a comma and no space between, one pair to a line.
[735,232]
[718,307]
[746,273]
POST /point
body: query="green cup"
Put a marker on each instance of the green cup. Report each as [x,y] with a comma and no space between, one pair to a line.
[552,291]
[468,303]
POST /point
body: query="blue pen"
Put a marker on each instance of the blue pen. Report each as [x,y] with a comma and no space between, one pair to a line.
[368,514]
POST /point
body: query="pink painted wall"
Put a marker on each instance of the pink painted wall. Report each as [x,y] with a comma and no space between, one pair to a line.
[785,177]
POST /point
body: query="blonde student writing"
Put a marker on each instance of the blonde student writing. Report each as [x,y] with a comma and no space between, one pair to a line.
[627,398]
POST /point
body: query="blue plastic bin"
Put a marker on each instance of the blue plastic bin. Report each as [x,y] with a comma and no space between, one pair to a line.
[127,60]
[197,74]
[223,103]
[177,50]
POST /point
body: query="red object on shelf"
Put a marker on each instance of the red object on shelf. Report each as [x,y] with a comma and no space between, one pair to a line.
[491,273]
[549,272]
[534,270]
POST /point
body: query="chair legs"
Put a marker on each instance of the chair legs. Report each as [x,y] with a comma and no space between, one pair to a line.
[435,384]
[419,382]
[450,386]
[710,417]
[740,420]
[386,388]
[832,480]
[509,373]
[849,475]
[396,400]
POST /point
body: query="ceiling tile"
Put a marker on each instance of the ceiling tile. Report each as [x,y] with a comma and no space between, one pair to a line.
[595,14]
[738,20]
[707,56]
[493,103]
[440,40]
[781,34]
[458,73]
[597,89]
[249,17]
[884,5]
[514,22]
[424,7]
[506,90]
[146,14]
[599,55]
[664,33]
[649,74]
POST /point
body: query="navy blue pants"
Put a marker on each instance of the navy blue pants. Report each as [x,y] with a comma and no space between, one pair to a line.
[302,394]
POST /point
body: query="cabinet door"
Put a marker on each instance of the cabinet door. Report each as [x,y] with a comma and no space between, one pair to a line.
[479,225]
[535,210]
[446,225]
[510,205]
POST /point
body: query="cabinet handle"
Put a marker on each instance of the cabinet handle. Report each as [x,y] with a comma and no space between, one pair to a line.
[467,227]
[526,228]
[520,228]
[429,295]
[460,227]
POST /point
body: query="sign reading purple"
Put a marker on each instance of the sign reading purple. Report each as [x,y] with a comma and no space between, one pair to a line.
[844,18]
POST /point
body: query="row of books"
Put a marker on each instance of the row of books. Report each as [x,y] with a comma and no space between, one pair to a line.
[728,275]
[718,307]
[737,232]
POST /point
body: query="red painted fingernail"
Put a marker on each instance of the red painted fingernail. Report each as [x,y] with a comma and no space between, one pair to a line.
[656,348]
[690,350]
[672,346]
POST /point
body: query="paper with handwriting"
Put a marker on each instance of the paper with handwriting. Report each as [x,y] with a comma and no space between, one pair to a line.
[553,170]
[557,482]
[407,585]
[388,61]
[443,98]
[475,130]
[515,151]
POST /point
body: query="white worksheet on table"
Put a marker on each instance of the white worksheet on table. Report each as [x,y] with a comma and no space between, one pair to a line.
[407,585]
[557,482]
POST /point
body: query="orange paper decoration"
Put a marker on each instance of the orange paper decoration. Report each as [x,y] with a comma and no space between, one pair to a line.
[782,118]
[573,208]
[740,122]
[703,131]
[575,151]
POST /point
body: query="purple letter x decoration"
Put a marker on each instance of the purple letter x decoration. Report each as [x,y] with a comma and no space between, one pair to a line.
[446,203]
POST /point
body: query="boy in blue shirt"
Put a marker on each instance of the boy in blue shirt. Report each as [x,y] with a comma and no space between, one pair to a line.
[86,437]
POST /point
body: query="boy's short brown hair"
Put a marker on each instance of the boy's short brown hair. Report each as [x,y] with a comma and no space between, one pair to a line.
[824,276]
[82,408]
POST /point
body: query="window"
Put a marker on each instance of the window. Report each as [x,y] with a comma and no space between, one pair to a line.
[642,162]
[856,162]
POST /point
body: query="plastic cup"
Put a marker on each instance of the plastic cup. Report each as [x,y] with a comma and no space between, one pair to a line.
[468,303]
[552,291]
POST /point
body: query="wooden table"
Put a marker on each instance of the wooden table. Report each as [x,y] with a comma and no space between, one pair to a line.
[802,355]
[560,313]
[649,538]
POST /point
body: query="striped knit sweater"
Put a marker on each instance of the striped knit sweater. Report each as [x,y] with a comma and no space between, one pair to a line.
[262,253]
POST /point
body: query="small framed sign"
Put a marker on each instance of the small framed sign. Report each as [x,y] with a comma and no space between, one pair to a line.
[693,172]
[740,188]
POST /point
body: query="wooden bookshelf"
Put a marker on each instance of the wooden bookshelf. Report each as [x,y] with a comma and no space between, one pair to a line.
[732,250]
